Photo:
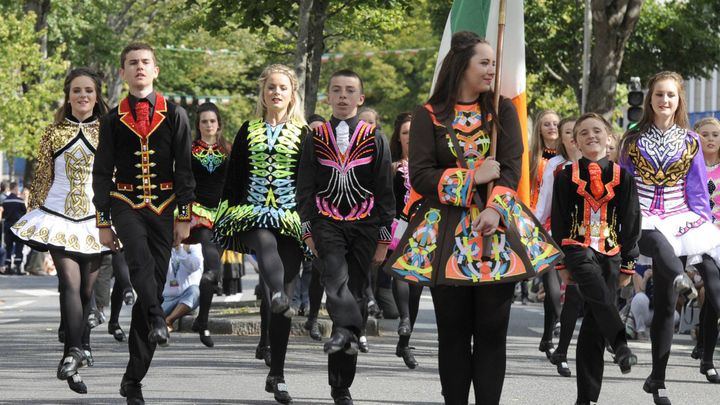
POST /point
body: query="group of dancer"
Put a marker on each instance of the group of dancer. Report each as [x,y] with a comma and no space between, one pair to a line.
[131,180]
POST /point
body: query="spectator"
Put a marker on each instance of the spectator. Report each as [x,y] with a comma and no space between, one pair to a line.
[13,209]
[182,288]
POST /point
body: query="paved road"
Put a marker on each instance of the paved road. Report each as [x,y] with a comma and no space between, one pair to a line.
[188,373]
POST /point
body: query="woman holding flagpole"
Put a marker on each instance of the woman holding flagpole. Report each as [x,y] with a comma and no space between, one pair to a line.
[472,319]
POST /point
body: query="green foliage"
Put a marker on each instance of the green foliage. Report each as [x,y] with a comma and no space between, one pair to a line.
[30,85]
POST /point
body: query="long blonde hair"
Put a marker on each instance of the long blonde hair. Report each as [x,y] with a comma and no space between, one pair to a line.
[537,143]
[295,108]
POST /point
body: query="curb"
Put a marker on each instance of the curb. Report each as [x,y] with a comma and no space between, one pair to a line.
[249,325]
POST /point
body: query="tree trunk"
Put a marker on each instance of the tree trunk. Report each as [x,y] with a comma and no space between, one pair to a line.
[316,40]
[41,8]
[301,54]
[613,23]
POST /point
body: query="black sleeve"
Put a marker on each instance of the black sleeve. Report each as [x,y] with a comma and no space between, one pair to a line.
[630,222]
[425,171]
[509,146]
[305,194]
[184,182]
[561,215]
[384,207]
[236,179]
[103,170]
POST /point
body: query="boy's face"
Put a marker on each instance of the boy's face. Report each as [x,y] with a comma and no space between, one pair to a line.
[139,69]
[345,96]
[592,138]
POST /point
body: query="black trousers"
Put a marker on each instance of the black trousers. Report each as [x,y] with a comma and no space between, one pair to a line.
[596,276]
[147,240]
[472,327]
[568,318]
[345,250]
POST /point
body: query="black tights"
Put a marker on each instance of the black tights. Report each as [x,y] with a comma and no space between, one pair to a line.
[568,317]
[76,279]
[278,257]
[472,327]
[211,272]
[315,292]
[407,298]
[551,303]
[711,307]
[121,285]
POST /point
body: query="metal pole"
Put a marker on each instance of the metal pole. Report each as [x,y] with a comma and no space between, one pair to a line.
[587,39]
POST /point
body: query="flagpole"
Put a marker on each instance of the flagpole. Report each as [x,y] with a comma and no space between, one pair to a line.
[498,74]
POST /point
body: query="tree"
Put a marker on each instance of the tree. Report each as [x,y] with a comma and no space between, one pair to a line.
[30,84]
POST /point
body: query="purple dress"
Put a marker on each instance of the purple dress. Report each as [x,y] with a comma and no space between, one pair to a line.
[671,179]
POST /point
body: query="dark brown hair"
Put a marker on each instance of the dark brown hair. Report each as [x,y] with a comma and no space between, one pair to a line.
[395,146]
[100,107]
[135,46]
[447,86]
[648,117]
[347,73]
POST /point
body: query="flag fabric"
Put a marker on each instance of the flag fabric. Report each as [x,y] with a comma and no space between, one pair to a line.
[481,17]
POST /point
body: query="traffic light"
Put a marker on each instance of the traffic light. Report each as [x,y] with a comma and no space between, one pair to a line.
[635,100]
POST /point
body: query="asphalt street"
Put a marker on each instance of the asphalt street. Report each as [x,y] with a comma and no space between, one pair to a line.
[188,373]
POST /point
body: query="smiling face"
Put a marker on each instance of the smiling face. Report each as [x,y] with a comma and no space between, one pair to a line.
[710,137]
[139,69]
[549,129]
[345,96]
[480,72]
[277,93]
[566,137]
[591,137]
[82,97]
[665,99]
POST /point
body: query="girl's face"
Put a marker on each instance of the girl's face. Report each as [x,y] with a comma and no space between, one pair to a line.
[208,124]
[566,136]
[480,72]
[82,97]
[368,116]
[277,92]
[612,152]
[592,138]
[710,137]
[549,129]
[405,137]
[665,99]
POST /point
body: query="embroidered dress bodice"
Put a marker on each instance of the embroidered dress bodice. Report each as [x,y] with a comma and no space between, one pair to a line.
[714,190]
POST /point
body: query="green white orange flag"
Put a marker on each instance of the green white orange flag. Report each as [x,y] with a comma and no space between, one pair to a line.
[481,17]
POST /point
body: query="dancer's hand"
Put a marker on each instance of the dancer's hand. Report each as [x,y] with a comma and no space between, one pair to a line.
[180,232]
[109,239]
[566,277]
[309,242]
[380,254]
[624,280]
[488,171]
[487,222]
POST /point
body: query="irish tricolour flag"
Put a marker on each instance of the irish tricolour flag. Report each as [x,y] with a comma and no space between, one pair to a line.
[481,17]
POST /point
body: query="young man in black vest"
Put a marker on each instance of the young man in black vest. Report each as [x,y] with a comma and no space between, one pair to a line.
[141,173]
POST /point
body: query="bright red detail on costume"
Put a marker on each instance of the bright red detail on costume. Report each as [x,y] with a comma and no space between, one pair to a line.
[597,188]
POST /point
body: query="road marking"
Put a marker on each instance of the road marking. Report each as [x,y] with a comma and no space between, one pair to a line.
[3,321]
[38,292]
[16,305]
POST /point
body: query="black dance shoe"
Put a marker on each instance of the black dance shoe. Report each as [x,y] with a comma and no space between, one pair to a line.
[710,373]
[89,361]
[625,358]
[313,328]
[684,286]
[404,328]
[407,355]
[95,318]
[560,360]
[204,332]
[276,385]
[116,331]
[159,333]
[75,382]
[697,352]
[658,391]
[262,352]
[128,296]
[131,391]
[363,344]
[547,347]
[70,364]
[280,304]
[341,396]
[341,339]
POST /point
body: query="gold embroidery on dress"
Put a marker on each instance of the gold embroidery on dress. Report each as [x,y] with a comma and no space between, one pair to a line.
[19,224]
[73,242]
[59,238]
[28,232]
[43,234]
[78,163]
[675,171]
[92,243]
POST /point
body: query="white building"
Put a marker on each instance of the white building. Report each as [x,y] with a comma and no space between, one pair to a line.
[702,96]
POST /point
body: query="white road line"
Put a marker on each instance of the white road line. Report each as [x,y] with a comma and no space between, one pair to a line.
[38,292]
[16,305]
[3,321]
